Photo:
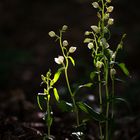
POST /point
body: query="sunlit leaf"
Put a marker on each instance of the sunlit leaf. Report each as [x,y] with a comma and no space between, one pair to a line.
[56,77]
[86,85]
[56,94]
[72,60]
[92,113]
[124,69]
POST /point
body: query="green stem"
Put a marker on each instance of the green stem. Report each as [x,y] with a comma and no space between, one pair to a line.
[113,93]
[102,22]
[67,80]
[107,105]
[72,97]
[100,99]
[48,116]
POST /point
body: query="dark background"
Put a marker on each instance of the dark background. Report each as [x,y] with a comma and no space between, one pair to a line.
[26,50]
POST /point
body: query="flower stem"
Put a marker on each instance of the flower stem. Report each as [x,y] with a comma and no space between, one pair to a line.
[107,105]
[100,99]
[48,116]
[72,97]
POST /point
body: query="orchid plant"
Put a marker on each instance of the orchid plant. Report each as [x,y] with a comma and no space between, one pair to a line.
[104,63]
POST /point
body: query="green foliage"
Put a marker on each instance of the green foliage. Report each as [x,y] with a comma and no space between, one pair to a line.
[92,113]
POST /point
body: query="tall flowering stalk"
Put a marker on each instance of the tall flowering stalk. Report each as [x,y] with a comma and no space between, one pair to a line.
[64,60]
[104,60]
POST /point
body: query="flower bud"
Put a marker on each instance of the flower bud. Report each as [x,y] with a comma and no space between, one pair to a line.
[87,40]
[114,55]
[106,16]
[99,64]
[110,9]
[87,33]
[65,43]
[112,72]
[72,49]
[105,30]
[52,34]
[110,21]
[99,15]
[95,29]
[65,27]
[95,4]
[59,60]
[90,45]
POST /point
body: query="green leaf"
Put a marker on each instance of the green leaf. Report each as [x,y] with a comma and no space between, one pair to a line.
[82,86]
[124,69]
[65,106]
[86,85]
[121,100]
[56,77]
[56,94]
[92,113]
[38,101]
[72,60]
[87,40]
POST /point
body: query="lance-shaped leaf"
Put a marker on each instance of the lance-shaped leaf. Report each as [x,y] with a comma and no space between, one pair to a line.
[56,94]
[124,69]
[82,86]
[56,77]
[92,113]
[38,101]
[72,60]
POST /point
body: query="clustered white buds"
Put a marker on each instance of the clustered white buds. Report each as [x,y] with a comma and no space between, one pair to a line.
[95,29]
[95,4]
[90,45]
[65,43]
[65,27]
[72,49]
[59,60]
[110,21]
[110,9]
[99,64]
[52,34]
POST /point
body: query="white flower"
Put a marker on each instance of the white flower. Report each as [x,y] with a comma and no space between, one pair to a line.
[59,60]
[110,21]
[110,9]
[90,45]
[99,64]
[65,27]
[72,49]
[95,4]
[52,34]
[65,43]
[95,29]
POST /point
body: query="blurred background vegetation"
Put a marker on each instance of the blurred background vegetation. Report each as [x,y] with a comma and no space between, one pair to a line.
[26,50]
